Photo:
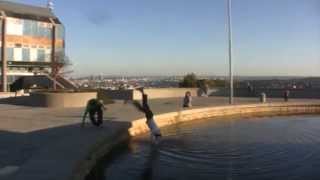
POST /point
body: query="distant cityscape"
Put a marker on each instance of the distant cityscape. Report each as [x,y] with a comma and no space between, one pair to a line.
[131,82]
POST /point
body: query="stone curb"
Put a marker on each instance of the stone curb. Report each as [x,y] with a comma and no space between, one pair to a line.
[138,126]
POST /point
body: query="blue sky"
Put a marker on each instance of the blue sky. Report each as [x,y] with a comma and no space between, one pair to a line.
[174,37]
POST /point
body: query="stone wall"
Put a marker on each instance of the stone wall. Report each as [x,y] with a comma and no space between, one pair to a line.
[117,94]
[55,100]
[139,126]
[156,93]
[273,93]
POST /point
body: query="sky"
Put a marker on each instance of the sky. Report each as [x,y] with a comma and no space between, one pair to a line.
[175,37]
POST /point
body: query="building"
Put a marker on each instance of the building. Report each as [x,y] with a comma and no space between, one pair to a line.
[32,40]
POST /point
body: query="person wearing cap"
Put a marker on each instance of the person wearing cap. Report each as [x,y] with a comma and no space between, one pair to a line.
[95,109]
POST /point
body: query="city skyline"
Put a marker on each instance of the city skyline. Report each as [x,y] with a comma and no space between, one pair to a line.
[177,37]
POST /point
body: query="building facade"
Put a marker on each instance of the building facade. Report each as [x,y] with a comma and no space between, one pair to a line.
[32,40]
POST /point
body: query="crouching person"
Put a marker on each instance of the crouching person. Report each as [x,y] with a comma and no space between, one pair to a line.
[95,109]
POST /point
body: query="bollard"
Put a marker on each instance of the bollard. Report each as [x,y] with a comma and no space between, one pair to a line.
[263,97]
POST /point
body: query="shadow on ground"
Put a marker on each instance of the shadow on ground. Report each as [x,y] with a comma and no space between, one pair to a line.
[53,152]
[20,101]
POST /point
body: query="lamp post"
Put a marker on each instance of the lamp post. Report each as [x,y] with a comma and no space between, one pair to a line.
[229,29]
[4,67]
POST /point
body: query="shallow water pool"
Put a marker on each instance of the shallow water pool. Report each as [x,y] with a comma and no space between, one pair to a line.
[230,149]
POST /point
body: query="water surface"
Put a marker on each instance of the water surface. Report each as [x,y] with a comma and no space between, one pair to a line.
[230,149]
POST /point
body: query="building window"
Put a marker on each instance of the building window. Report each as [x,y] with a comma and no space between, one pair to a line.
[10,54]
[25,54]
[37,29]
[27,27]
[41,55]
[60,32]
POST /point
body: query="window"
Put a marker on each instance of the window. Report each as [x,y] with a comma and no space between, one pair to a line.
[30,28]
[25,54]
[41,55]
[27,27]
[60,32]
[9,54]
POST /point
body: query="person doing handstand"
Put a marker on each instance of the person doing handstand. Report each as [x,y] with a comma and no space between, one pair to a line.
[155,131]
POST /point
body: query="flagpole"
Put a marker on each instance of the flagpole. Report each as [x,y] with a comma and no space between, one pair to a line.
[229,29]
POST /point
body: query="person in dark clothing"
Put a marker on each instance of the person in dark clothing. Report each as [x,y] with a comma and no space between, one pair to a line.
[187,100]
[95,109]
[155,131]
[286,95]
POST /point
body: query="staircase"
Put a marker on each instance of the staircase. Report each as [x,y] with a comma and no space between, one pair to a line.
[43,82]
[66,84]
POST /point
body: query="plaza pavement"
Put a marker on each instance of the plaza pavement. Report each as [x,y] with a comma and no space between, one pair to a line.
[45,143]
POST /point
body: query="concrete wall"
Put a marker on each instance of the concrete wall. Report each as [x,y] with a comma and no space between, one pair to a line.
[273,93]
[117,94]
[139,126]
[55,100]
[156,93]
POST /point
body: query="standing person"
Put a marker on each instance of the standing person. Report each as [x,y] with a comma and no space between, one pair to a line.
[286,95]
[187,100]
[95,109]
[155,131]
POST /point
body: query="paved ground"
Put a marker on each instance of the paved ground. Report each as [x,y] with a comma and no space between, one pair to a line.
[43,143]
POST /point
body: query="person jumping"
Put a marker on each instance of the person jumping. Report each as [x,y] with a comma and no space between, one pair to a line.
[155,131]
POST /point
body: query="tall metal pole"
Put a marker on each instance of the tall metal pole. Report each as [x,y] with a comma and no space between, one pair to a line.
[3,53]
[229,29]
[53,55]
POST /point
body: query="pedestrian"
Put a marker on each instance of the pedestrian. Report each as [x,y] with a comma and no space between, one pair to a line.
[154,129]
[187,100]
[95,109]
[286,95]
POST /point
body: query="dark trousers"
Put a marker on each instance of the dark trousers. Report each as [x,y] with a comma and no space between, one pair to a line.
[96,117]
[146,108]
[145,101]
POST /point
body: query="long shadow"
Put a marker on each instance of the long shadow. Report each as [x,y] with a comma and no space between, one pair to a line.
[20,101]
[106,118]
[67,143]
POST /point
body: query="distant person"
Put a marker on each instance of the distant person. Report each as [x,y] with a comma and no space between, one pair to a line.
[286,95]
[95,109]
[187,100]
[155,131]
[203,88]
[250,89]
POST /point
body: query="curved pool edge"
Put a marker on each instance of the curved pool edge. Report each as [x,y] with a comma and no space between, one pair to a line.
[96,152]
[138,126]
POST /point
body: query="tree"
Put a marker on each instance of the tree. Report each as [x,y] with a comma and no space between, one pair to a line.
[190,80]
